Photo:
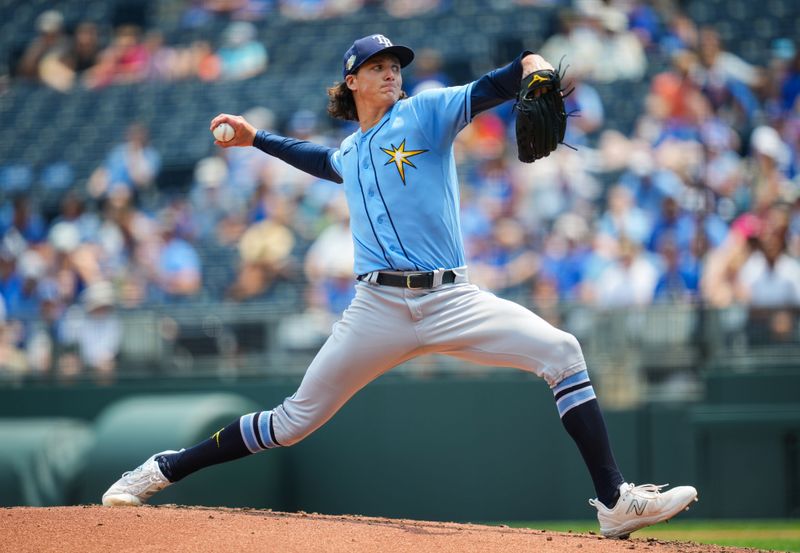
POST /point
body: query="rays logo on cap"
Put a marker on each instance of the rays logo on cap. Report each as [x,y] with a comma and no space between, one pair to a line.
[382,40]
[370,45]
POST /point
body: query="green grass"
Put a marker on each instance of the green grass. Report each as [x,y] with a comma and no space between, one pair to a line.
[776,535]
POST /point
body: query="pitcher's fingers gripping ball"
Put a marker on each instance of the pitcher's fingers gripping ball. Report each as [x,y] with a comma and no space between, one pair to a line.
[232,130]
[223,132]
[541,117]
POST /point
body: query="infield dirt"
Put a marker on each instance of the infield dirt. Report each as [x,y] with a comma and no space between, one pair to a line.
[173,529]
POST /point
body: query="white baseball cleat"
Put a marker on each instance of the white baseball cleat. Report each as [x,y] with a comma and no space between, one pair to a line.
[138,485]
[640,506]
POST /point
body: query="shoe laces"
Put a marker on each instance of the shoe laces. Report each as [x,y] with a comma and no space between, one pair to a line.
[135,472]
[642,489]
[630,488]
[129,473]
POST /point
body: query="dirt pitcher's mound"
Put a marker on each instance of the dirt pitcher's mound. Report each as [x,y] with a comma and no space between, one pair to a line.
[173,529]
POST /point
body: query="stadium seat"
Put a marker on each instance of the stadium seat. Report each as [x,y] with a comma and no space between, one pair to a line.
[57,176]
[16,177]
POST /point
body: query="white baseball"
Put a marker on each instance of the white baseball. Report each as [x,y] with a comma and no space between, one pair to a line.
[223,132]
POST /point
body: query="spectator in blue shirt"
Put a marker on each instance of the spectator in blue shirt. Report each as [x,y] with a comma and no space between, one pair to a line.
[23,221]
[242,56]
[678,282]
[133,164]
[178,273]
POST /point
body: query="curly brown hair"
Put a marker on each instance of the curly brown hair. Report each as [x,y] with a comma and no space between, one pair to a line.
[342,105]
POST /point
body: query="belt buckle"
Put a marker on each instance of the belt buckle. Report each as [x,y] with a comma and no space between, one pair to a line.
[408,283]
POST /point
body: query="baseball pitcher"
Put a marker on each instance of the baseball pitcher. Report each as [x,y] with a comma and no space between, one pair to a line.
[413,294]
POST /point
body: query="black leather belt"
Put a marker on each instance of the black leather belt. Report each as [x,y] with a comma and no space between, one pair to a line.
[411,280]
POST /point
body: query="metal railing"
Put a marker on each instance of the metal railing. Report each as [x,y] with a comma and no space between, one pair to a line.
[660,351]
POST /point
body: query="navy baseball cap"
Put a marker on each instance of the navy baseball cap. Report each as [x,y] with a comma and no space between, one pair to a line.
[364,48]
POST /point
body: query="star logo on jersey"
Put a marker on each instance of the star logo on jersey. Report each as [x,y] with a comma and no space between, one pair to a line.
[399,156]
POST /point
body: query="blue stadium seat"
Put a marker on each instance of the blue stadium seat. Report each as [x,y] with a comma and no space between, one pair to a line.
[57,176]
[16,177]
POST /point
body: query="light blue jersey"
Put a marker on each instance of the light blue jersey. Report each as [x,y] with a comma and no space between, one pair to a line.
[401,184]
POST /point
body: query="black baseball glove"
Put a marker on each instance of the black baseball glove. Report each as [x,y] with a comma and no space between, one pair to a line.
[541,117]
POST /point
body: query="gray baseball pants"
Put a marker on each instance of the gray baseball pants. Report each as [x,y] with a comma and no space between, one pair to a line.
[385,326]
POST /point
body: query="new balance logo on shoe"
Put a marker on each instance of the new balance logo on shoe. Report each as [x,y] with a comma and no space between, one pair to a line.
[637,506]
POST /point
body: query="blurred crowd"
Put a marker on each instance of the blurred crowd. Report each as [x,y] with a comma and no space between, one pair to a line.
[700,204]
[81,58]
[92,54]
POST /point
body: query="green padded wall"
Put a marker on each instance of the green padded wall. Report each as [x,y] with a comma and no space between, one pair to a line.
[11,493]
[749,459]
[40,459]
[488,447]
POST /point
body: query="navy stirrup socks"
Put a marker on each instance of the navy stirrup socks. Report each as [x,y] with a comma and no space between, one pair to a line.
[581,416]
[225,445]
[248,434]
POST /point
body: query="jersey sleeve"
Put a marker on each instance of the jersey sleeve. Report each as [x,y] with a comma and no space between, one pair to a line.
[497,86]
[335,158]
[442,113]
[312,158]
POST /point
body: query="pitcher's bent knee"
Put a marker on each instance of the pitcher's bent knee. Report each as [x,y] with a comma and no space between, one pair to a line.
[568,359]
[569,349]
